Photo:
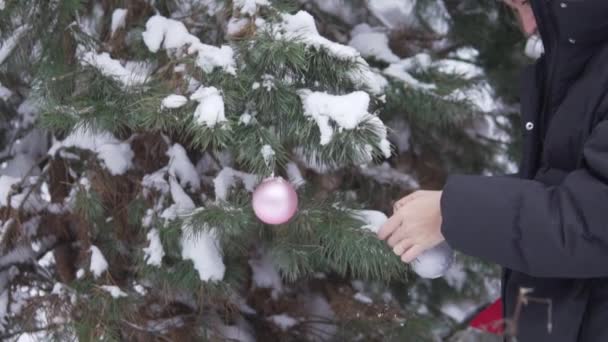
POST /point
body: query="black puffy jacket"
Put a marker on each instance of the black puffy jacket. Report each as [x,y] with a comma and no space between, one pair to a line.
[549,226]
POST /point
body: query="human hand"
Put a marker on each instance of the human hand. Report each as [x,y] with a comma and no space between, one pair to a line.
[415,225]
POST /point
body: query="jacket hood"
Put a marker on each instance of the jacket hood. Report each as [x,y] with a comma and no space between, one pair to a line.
[572,31]
[573,22]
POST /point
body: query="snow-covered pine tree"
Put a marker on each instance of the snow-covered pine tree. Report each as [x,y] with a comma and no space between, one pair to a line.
[135,131]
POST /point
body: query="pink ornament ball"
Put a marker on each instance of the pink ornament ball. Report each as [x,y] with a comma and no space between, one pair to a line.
[275,201]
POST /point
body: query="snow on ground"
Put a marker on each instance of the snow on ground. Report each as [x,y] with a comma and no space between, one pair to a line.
[172,35]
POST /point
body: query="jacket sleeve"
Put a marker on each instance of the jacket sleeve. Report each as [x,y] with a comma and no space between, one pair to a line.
[557,231]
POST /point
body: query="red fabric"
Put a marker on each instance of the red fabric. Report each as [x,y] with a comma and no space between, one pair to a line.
[490,320]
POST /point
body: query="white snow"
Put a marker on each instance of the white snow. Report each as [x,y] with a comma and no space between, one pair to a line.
[47,260]
[480,95]
[466,53]
[204,251]
[267,153]
[398,72]
[346,111]
[202,248]
[236,25]
[250,7]
[340,8]
[110,67]
[119,17]
[156,181]
[386,174]
[393,13]
[458,311]
[173,101]
[364,76]
[140,289]
[182,168]
[115,156]
[301,27]
[319,310]
[79,273]
[295,175]
[4,296]
[372,43]
[456,276]
[227,178]
[6,183]
[154,253]
[534,47]
[5,93]
[436,15]
[360,297]
[435,262]
[2,5]
[173,36]
[245,119]
[372,219]
[114,291]
[210,110]
[183,202]
[98,262]
[458,68]
[265,275]
[6,48]
[283,321]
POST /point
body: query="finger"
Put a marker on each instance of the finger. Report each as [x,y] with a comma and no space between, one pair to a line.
[389,227]
[402,246]
[400,203]
[397,236]
[411,254]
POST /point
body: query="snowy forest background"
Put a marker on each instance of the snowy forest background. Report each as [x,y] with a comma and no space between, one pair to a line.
[133,132]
